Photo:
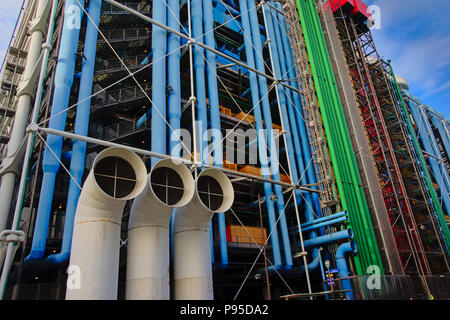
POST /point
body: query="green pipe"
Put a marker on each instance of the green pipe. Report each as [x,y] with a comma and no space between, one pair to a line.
[426,173]
[348,179]
[318,74]
[327,126]
[356,181]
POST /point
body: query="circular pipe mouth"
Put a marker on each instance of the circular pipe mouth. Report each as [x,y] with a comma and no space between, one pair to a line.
[354,246]
[215,191]
[171,183]
[119,173]
[351,234]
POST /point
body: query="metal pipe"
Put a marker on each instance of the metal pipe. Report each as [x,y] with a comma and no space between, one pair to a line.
[262,151]
[169,185]
[191,231]
[341,264]
[273,152]
[30,140]
[81,127]
[213,94]
[327,218]
[329,238]
[64,75]
[426,135]
[159,49]
[24,95]
[104,143]
[117,176]
[324,224]
[192,40]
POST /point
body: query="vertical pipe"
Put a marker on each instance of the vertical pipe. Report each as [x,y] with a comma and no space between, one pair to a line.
[213,93]
[22,110]
[426,175]
[274,163]
[306,152]
[81,127]
[341,264]
[158,110]
[426,136]
[94,260]
[262,151]
[64,75]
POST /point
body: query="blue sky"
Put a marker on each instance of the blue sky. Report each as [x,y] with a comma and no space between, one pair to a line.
[414,34]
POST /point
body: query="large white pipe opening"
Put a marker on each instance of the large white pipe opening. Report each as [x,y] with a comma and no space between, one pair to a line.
[191,231]
[169,185]
[118,175]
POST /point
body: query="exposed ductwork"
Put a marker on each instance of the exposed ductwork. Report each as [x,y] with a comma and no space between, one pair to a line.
[118,175]
[191,231]
[169,185]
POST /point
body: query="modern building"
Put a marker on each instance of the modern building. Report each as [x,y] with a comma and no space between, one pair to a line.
[216,149]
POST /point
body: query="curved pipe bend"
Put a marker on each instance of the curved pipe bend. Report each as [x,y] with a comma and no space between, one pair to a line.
[96,233]
[191,236]
[149,231]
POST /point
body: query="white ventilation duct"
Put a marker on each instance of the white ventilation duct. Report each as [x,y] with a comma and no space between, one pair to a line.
[118,175]
[191,231]
[169,185]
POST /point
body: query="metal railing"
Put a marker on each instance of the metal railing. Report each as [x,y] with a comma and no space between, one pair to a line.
[122,129]
[125,35]
[107,99]
[114,64]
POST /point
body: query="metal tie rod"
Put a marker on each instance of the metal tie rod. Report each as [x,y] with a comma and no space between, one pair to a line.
[36,128]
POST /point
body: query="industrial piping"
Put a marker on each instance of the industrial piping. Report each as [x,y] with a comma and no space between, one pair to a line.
[24,96]
[81,127]
[213,93]
[64,75]
[117,175]
[169,185]
[341,264]
[158,110]
[191,232]
[274,163]
[262,152]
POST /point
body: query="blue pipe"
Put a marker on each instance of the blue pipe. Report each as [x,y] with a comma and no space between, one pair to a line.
[442,124]
[274,164]
[324,224]
[306,152]
[329,238]
[158,110]
[81,128]
[173,75]
[327,218]
[214,112]
[259,127]
[341,264]
[441,176]
[295,154]
[174,81]
[64,75]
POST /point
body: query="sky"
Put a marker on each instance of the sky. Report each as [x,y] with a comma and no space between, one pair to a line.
[414,34]
[9,11]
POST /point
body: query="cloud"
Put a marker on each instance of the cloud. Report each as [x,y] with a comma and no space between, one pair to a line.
[415,37]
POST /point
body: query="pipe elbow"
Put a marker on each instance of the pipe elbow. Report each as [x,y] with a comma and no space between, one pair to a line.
[213,193]
[346,248]
[169,185]
[58,258]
